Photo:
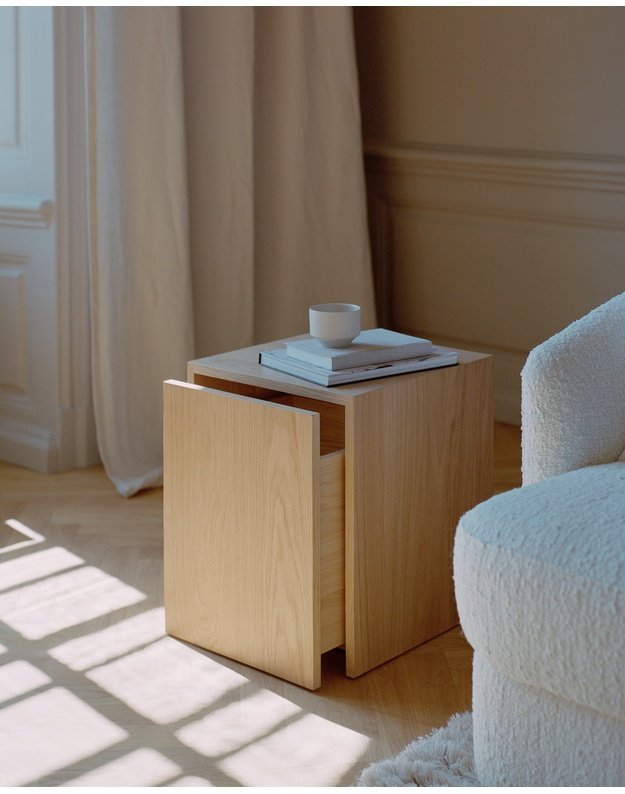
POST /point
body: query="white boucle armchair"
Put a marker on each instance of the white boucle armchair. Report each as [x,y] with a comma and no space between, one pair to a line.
[540,574]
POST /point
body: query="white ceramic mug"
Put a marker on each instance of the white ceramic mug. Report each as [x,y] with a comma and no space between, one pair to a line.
[334,324]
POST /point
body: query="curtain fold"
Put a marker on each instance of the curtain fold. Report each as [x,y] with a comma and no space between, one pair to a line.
[141,306]
[274,188]
[311,243]
[278,212]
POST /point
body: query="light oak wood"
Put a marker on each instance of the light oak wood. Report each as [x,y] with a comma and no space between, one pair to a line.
[242,524]
[81,513]
[418,453]
[332,550]
[332,419]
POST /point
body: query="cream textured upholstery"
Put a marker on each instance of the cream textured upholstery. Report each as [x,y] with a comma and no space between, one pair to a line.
[540,574]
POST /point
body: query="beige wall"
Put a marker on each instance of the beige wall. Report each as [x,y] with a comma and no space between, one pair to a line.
[495,141]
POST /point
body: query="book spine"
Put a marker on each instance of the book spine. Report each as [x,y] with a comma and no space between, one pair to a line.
[321,379]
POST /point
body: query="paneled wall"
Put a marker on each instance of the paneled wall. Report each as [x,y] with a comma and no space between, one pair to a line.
[46,417]
[495,158]
[27,239]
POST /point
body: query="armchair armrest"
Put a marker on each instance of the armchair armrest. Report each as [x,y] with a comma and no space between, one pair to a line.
[573,395]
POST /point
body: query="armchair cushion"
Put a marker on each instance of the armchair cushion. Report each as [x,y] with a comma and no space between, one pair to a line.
[540,583]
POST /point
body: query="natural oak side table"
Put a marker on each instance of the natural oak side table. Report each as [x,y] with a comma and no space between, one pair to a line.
[300,518]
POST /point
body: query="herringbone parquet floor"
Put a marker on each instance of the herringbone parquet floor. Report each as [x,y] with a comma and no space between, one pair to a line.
[93,693]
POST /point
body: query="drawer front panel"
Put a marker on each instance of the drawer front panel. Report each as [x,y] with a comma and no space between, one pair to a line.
[242,522]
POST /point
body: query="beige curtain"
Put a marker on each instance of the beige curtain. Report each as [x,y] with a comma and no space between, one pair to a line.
[278,214]
[141,312]
[275,182]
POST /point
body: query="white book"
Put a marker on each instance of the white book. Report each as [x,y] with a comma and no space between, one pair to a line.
[278,359]
[373,346]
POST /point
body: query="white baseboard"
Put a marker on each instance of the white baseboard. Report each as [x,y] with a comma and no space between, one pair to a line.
[28,446]
[39,449]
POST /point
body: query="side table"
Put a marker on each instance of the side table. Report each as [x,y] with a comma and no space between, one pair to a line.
[300,518]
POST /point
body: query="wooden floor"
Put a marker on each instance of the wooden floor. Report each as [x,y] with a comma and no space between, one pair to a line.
[92,692]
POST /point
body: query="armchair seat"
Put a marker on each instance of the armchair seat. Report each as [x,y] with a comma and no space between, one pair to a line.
[540,582]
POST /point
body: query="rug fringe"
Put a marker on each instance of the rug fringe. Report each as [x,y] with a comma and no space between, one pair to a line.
[442,758]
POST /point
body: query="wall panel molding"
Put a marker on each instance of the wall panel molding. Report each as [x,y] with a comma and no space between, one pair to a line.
[9,78]
[493,251]
[13,328]
[563,191]
[553,169]
[17,118]
[29,295]
[31,212]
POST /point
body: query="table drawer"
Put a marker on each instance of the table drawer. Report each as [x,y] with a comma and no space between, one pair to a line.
[332,550]
[254,513]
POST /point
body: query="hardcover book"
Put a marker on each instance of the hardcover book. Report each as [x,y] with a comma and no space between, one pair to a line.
[373,346]
[279,359]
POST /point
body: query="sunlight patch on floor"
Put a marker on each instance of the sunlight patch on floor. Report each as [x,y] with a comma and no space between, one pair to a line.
[99,647]
[143,767]
[49,731]
[312,749]
[166,681]
[64,600]
[19,677]
[253,736]
[22,530]
[191,780]
[36,565]
[237,724]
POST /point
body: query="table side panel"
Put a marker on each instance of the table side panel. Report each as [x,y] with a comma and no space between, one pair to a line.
[418,455]
[241,514]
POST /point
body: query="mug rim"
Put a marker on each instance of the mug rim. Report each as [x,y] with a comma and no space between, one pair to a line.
[335,308]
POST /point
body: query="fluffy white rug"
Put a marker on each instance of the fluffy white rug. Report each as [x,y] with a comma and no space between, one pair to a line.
[442,758]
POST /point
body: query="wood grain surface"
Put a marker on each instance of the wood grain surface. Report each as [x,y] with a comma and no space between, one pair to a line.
[242,523]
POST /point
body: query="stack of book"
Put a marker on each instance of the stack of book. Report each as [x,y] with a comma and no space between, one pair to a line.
[375,353]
